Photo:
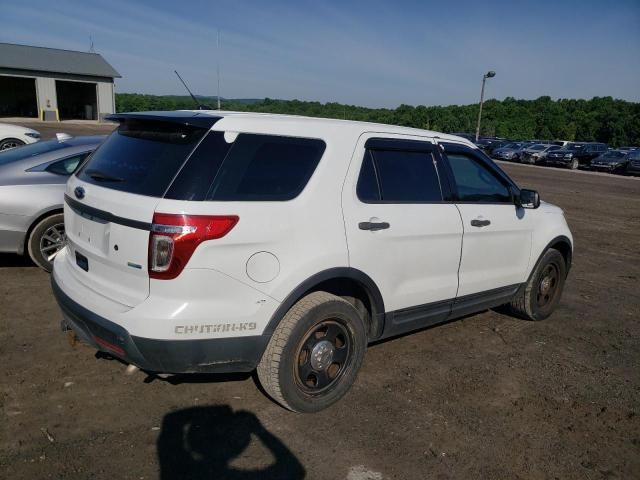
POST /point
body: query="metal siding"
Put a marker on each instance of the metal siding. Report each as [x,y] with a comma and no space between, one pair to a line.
[46,90]
[105,98]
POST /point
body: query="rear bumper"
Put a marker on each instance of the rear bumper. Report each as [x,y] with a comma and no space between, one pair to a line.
[224,355]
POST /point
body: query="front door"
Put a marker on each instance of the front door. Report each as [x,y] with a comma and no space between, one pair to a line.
[497,234]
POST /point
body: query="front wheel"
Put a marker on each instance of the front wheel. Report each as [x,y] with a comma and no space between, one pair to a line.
[9,143]
[314,354]
[574,164]
[45,241]
[541,294]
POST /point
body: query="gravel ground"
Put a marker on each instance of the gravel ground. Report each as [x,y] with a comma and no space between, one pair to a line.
[485,397]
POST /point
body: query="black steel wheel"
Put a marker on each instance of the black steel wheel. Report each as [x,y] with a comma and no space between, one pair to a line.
[314,354]
[539,297]
[323,356]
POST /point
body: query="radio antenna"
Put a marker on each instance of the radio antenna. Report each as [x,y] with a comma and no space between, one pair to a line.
[200,106]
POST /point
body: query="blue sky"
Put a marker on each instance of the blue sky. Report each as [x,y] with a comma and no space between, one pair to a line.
[371,53]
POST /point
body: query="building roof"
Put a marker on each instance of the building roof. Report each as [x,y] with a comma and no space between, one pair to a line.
[24,57]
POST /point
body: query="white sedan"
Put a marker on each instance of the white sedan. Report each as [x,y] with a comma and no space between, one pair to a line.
[12,136]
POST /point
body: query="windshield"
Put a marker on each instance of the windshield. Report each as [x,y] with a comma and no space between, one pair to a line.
[573,146]
[613,154]
[27,151]
[537,147]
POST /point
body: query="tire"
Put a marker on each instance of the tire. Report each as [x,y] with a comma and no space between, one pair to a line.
[327,326]
[574,164]
[541,294]
[46,240]
[9,143]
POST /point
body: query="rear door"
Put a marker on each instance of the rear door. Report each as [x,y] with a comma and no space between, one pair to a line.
[110,201]
[497,234]
[400,229]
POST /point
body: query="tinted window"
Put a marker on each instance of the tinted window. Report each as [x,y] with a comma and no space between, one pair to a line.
[27,151]
[196,176]
[368,189]
[68,165]
[141,156]
[475,181]
[404,177]
[266,167]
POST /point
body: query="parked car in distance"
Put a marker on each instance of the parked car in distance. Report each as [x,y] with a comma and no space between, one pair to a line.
[614,161]
[628,148]
[537,153]
[12,136]
[32,181]
[633,165]
[212,241]
[576,154]
[510,151]
[487,143]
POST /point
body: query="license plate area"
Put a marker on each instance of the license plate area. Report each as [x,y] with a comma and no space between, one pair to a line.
[82,261]
[92,233]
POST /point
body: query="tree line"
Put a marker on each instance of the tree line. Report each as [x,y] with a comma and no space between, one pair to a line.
[600,119]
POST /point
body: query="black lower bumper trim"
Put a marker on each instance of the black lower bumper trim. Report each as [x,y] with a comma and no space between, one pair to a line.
[223,355]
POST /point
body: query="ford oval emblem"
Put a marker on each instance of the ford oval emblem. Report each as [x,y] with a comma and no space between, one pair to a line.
[79,191]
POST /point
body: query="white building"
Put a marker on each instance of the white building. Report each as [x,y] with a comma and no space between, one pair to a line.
[53,84]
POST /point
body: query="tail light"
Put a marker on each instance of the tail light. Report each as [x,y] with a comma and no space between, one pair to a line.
[174,238]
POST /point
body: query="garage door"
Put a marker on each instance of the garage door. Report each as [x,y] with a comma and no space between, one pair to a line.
[77,100]
[18,97]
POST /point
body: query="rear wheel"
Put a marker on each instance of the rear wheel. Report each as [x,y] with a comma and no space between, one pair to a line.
[45,241]
[9,143]
[541,294]
[315,353]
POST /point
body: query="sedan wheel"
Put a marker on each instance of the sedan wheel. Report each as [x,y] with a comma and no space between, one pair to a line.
[46,240]
[10,143]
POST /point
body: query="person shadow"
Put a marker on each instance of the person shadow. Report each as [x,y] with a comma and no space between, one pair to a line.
[202,442]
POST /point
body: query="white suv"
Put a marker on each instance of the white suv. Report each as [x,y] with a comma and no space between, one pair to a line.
[225,242]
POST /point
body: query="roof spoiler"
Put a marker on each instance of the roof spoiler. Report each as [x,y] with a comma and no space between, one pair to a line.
[183,117]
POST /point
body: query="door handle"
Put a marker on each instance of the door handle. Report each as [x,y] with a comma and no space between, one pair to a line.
[373,226]
[480,223]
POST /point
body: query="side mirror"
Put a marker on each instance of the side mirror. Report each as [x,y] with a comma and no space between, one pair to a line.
[528,199]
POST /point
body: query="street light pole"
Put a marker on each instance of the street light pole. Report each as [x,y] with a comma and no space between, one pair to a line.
[489,74]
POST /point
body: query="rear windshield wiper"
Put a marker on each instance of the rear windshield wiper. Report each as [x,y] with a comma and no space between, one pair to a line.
[103,177]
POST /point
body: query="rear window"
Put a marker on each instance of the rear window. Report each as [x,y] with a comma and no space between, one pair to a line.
[252,168]
[27,151]
[141,156]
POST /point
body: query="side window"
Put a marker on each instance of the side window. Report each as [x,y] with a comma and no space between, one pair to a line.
[266,168]
[396,176]
[68,165]
[368,189]
[476,182]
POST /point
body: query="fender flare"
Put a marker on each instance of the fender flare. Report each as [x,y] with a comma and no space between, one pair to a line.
[369,286]
[557,240]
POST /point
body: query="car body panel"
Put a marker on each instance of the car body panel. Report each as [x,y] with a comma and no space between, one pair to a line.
[29,192]
[18,132]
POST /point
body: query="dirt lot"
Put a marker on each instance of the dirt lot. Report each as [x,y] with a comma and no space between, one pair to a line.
[485,397]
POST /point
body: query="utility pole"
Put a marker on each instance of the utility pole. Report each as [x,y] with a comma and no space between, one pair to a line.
[489,74]
[218,67]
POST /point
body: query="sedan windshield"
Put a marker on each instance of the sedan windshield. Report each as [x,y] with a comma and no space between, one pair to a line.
[613,154]
[537,147]
[27,151]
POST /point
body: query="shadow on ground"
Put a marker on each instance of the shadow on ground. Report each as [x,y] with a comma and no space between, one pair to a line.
[203,442]
[13,260]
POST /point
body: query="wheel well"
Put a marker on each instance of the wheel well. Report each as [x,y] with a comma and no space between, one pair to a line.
[355,293]
[564,247]
[36,222]
[351,284]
